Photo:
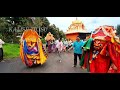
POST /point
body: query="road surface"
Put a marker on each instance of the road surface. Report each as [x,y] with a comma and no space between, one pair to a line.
[52,65]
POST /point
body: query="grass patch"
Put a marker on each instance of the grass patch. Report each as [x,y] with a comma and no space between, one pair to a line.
[11,50]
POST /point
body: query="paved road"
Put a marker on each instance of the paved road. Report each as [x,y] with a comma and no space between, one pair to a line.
[52,65]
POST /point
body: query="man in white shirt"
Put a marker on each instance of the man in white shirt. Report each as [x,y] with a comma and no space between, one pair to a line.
[1,49]
[59,47]
[56,41]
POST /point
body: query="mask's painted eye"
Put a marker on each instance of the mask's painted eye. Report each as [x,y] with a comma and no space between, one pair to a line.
[100,44]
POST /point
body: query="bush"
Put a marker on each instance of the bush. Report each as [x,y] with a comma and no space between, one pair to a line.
[43,40]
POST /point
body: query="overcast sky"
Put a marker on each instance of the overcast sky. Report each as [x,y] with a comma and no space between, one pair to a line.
[91,23]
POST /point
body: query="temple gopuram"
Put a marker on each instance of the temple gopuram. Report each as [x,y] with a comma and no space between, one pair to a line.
[77,28]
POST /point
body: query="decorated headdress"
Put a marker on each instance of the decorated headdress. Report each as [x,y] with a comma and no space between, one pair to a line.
[104,33]
[49,36]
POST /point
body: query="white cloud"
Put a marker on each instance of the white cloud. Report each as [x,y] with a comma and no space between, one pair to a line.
[91,23]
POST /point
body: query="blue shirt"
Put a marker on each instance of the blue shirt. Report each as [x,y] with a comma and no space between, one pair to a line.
[78,46]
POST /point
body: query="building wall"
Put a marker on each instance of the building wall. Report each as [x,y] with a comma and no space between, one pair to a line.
[72,36]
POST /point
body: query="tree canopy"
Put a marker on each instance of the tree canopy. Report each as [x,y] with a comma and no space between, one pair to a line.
[9,27]
[118,30]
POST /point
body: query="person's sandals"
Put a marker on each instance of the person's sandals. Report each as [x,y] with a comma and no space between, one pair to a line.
[59,60]
[74,66]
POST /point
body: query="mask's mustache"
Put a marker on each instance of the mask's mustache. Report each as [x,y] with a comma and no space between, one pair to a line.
[96,46]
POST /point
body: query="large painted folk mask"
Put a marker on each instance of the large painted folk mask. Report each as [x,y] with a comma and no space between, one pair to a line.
[99,44]
[102,35]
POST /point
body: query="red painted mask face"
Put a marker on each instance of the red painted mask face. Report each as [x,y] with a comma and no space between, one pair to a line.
[99,44]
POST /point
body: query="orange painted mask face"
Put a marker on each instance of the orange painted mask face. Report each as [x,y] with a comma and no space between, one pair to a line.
[99,44]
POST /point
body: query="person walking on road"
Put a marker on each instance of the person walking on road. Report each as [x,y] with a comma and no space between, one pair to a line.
[59,47]
[77,46]
[1,50]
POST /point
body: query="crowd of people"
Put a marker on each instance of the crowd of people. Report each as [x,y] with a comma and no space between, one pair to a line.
[66,45]
[54,45]
[91,53]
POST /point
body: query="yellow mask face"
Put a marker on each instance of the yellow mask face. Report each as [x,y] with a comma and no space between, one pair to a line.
[35,44]
[31,39]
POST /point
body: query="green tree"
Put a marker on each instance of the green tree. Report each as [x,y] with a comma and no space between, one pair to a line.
[3,27]
[42,23]
[118,30]
[56,31]
[62,35]
[8,25]
[45,22]
[11,24]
